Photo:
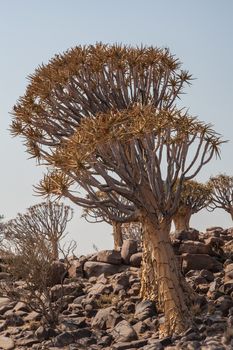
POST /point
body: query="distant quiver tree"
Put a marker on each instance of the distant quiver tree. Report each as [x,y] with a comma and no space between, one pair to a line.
[194,197]
[222,193]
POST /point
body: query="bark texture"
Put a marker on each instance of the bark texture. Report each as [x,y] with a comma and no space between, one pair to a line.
[117,235]
[170,285]
[181,219]
[149,287]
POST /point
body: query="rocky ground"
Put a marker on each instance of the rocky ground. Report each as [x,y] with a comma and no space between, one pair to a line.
[103,310]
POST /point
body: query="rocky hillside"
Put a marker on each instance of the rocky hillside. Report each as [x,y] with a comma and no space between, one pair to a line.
[102,308]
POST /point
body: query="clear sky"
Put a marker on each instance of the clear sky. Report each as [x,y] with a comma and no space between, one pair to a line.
[199,32]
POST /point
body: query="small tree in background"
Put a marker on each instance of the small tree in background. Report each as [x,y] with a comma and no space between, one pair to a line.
[222,193]
[194,197]
[28,252]
[115,216]
[48,219]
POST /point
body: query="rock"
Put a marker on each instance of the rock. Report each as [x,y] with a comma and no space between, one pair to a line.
[228,272]
[74,323]
[109,256]
[64,339]
[93,268]
[135,344]
[71,289]
[6,343]
[4,275]
[76,268]
[58,272]
[136,259]
[208,275]
[123,332]
[32,316]
[214,229]
[200,262]
[155,346]
[191,247]
[145,309]
[190,235]
[106,318]
[129,247]
[42,333]
[228,287]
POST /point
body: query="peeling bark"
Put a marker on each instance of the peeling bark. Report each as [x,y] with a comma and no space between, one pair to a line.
[149,288]
[170,284]
[117,235]
[181,219]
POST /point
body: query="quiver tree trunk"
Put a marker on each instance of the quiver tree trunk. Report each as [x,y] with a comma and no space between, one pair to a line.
[149,288]
[117,235]
[171,285]
[181,219]
[55,250]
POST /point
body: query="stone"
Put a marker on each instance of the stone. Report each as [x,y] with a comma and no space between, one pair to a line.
[95,268]
[32,316]
[6,343]
[129,247]
[76,268]
[135,344]
[156,345]
[64,339]
[136,259]
[71,289]
[109,256]
[4,275]
[145,309]
[74,323]
[190,235]
[208,275]
[123,332]
[228,272]
[58,272]
[200,262]
[192,247]
[106,318]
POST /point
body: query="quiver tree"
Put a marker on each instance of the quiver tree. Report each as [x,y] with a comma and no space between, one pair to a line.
[48,219]
[144,156]
[104,117]
[222,193]
[29,261]
[194,197]
[88,80]
[114,216]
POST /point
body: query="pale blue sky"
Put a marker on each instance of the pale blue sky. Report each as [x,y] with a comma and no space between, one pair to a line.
[199,32]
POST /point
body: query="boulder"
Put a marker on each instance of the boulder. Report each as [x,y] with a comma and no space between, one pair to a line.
[71,289]
[95,268]
[200,262]
[136,259]
[6,343]
[129,247]
[109,256]
[58,272]
[106,318]
[190,235]
[124,332]
[135,344]
[228,272]
[192,247]
[145,309]
[76,268]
